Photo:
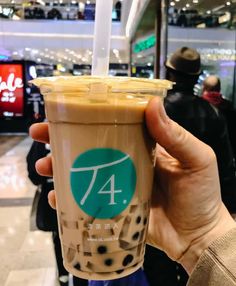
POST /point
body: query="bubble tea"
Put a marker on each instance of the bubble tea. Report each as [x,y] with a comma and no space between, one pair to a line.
[103,170]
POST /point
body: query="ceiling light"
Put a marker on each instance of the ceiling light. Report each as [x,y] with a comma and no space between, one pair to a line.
[88,2]
[115,51]
[228,3]
[195,1]
[39,60]
[184,9]
[172,3]
[208,12]
[187,5]
[177,0]
[41,2]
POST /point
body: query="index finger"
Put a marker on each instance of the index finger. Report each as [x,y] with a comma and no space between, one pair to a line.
[39,132]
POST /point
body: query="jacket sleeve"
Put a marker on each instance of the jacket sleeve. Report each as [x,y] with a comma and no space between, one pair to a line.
[226,166]
[217,265]
[36,152]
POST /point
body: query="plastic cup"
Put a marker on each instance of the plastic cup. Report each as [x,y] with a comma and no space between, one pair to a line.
[103,170]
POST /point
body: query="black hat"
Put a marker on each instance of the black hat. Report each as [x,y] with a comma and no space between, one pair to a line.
[185,60]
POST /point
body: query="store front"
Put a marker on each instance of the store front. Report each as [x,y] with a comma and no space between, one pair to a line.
[20,103]
[143,56]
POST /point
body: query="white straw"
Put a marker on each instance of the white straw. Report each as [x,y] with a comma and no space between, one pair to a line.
[102,35]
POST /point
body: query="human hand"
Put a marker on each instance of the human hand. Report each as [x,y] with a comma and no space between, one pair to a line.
[187,213]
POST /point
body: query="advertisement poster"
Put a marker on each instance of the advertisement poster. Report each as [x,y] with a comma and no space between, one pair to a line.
[11,90]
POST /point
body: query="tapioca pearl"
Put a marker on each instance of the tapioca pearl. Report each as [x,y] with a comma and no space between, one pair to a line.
[120,271]
[77,266]
[102,249]
[108,262]
[128,259]
[138,219]
[135,236]
[145,221]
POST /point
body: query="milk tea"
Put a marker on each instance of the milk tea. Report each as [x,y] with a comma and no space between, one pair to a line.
[102,170]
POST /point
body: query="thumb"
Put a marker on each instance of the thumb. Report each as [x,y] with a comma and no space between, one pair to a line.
[177,141]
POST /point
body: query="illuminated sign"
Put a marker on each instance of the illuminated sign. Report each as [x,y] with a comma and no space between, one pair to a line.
[145,44]
[11,90]
[217,54]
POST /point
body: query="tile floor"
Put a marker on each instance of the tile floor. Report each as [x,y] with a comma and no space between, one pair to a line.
[27,258]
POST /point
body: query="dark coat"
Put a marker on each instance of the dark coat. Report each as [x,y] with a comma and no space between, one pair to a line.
[46,218]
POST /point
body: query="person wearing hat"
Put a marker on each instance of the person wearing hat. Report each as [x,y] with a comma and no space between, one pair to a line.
[201,119]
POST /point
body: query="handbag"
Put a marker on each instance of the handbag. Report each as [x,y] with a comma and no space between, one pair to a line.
[43,217]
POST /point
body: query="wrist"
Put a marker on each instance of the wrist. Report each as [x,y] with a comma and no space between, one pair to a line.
[190,258]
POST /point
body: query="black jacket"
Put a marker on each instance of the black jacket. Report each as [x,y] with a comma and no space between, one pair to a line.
[206,123]
[46,218]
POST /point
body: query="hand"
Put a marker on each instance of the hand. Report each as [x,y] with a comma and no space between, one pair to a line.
[187,213]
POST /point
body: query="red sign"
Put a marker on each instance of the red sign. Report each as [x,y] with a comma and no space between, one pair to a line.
[11,90]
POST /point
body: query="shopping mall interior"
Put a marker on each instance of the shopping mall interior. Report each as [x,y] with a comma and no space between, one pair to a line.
[45,38]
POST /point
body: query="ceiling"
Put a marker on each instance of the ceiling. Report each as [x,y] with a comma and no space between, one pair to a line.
[64,54]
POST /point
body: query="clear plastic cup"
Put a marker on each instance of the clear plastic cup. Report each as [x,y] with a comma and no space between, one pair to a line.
[102,170]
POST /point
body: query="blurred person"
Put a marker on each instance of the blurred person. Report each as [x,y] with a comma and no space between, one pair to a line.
[118,7]
[183,208]
[212,93]
[199,118]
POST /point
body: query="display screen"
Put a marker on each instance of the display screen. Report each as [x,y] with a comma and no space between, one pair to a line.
[11,90]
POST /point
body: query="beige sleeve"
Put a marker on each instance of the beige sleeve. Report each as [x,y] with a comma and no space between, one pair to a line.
[217,264]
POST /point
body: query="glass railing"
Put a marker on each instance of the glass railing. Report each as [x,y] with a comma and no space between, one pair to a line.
[55,11]
[191,18]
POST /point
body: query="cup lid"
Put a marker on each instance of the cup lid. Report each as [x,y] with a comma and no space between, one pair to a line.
[99,84]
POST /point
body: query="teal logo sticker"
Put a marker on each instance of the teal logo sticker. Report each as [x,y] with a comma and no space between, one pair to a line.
[103,182]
